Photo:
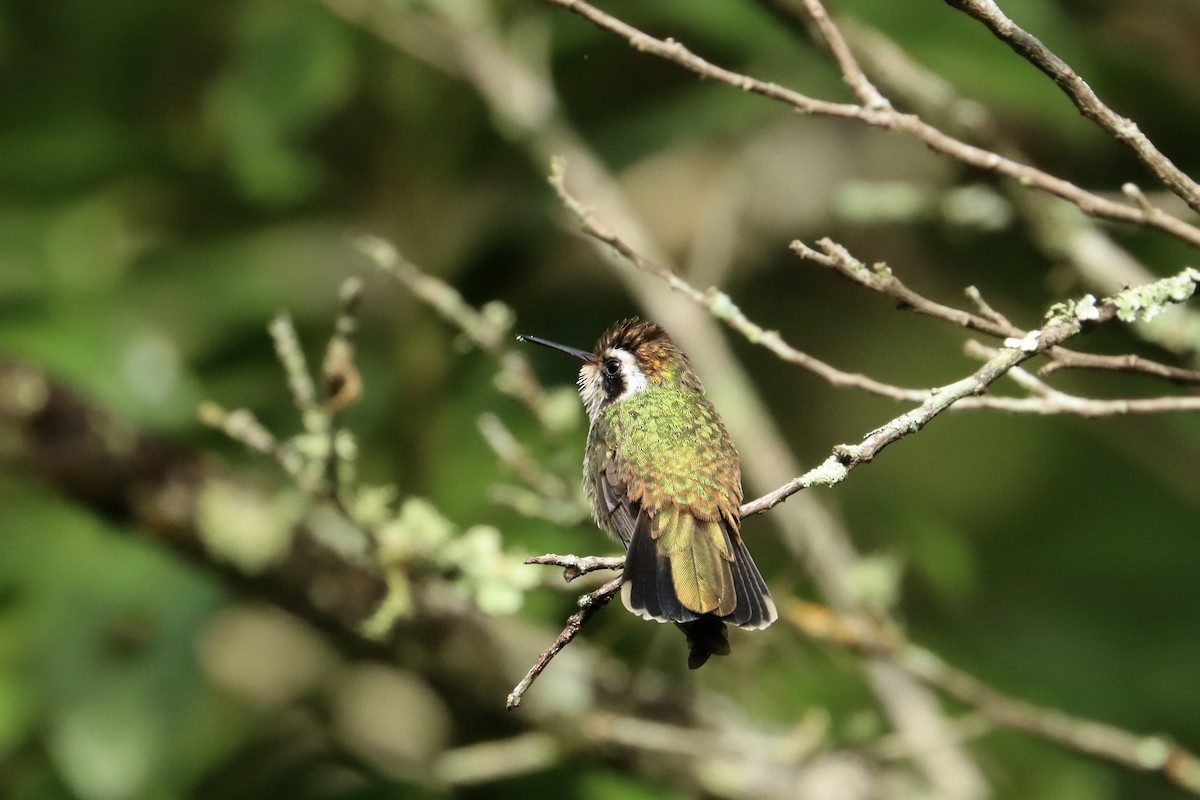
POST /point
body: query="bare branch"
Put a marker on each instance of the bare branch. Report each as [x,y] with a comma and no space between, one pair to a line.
[1072,359]
[1085,99]
[243,426]
[1048,400]
[890,119]
[720,305]
[295,366]
[589,604]
[1100,262]
[879,278]
[851,71]
[575,566]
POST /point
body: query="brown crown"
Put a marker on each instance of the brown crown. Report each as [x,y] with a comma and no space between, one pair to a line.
[648,342]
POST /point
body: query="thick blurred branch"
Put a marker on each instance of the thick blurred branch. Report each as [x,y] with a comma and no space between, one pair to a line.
[99,461]
[1138,752]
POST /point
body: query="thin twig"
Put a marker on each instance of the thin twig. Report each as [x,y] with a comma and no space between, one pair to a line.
[975,296]
[241,425]
[589,604]
[1048,400]
[487,328]
[858,81]
[1073,359]
[880,278]
[295,366]
[575,566]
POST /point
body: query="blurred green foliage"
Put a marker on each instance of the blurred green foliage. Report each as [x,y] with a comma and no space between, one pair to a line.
[173,174]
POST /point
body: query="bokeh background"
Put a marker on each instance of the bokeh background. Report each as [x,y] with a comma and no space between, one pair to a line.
[174,174]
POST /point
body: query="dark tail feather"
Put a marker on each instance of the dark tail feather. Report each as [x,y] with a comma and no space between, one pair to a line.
[706,637]
[640,593]
[755,608]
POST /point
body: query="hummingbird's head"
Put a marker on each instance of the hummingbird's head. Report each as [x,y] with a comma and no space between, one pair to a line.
[629,357]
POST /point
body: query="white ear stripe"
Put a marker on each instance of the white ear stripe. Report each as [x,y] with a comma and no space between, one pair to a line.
[635,380]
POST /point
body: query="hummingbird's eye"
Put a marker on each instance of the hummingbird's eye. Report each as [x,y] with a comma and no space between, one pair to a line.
[611,367]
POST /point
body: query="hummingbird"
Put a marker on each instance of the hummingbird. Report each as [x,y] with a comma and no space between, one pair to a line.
[662,477]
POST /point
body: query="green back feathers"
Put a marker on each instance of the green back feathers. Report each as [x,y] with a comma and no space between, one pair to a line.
[673,450]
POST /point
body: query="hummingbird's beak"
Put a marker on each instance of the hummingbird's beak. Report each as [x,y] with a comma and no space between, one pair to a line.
[582,355]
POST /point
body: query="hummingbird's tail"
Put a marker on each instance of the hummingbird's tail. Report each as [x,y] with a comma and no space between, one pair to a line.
[698,575]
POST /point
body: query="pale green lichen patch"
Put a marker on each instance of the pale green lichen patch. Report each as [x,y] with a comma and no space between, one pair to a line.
[492,578]
[721,305]
[417,530]
[1147,301]
[496,580]
[371,506]
[1085,308]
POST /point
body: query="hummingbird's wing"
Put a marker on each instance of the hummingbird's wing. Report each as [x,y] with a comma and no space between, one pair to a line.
[648,590]
[644,575]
